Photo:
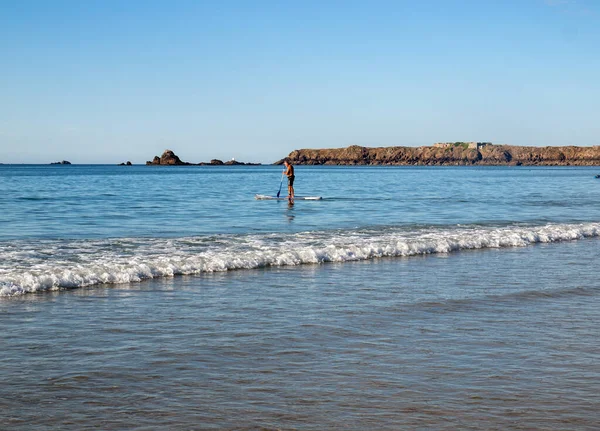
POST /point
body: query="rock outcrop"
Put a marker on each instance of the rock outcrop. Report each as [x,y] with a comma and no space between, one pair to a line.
[63,162]
[125,164]
[458,154]
[167,158]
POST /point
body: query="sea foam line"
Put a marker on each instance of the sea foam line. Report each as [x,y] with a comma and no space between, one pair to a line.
[52,265]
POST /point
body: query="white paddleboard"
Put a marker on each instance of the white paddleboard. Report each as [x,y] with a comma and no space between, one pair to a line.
[282,198]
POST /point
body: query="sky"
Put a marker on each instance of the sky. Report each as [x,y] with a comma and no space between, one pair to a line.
[104,81]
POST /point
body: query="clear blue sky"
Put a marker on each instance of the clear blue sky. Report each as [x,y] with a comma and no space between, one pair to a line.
[110,81]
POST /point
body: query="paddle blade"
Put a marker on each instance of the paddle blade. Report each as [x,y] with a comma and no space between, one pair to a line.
[280,183]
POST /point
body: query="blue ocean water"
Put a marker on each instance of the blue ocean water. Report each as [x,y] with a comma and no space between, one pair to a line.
[407,298]
[74,226]
[115,202]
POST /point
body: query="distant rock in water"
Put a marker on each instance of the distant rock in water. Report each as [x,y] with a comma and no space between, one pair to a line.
[450,154]
[64,162]
[167,158]
[217,162]
[125,164]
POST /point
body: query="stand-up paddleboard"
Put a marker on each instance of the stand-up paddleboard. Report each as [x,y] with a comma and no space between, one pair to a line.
[285,198]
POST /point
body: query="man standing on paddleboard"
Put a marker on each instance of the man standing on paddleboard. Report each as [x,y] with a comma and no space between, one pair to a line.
[289,171]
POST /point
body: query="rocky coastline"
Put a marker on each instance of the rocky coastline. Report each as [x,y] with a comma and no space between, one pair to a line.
[450,154]
[169,158]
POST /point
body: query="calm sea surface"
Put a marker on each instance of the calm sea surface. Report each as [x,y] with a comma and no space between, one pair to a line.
[153,298]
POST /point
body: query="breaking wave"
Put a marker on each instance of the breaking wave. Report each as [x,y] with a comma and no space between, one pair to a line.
[36,266]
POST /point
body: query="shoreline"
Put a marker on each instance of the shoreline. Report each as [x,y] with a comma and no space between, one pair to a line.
[350,338]
[441,154]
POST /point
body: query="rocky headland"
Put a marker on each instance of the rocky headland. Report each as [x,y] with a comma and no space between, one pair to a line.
[450,154]
[169,158]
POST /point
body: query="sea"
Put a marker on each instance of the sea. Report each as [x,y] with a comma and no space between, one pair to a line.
[407,298]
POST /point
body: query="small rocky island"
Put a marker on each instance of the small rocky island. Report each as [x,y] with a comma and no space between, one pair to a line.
[63,162]
[169,158]
[450,154]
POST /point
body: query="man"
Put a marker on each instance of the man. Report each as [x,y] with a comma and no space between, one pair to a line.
[289,171]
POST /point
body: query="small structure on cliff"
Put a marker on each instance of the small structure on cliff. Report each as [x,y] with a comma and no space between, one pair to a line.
[467,145]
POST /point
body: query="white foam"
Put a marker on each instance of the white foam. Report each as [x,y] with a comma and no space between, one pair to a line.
[51,265]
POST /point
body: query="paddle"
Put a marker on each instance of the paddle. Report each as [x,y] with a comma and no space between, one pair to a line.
[280,183]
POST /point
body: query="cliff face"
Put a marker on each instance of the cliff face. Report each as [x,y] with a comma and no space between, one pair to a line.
[489,155]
